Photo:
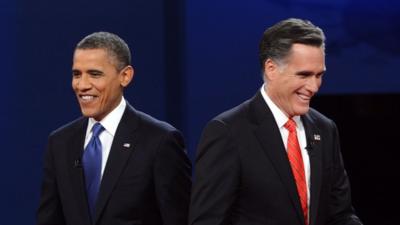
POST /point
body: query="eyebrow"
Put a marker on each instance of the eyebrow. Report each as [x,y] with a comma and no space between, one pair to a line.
[308,73]
[91,71]
[95,71]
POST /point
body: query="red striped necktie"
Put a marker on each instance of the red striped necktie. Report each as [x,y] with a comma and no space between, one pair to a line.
[297,165]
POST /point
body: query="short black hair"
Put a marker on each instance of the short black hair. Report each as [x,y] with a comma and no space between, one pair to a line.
[277,40]
[112,43]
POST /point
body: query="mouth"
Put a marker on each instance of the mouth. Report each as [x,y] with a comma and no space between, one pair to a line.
[87,98]
[304,97]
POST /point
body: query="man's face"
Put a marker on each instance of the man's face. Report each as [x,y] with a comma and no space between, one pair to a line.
[292,84]
[97,83]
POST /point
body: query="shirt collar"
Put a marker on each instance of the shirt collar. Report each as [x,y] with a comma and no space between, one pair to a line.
[111,121]
[279,116]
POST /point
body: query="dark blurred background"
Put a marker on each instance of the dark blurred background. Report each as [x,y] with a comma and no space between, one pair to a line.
[193,60]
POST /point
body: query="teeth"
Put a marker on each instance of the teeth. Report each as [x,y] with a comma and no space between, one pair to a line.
[304,97]
[87,97]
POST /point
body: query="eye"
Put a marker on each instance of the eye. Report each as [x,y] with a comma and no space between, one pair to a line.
[304,74]
[319,76]
[76,73]
[95,73]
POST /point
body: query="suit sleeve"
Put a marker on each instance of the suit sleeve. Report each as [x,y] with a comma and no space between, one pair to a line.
[216,177]
[172,175]
[341,211]
[50,210]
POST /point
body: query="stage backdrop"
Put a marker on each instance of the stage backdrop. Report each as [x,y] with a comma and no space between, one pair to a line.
[221,63]
[37,39]
[193,60]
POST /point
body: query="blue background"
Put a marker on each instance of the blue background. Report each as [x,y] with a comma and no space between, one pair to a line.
[193,60]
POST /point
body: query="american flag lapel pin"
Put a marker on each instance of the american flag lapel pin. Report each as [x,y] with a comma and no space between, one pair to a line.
[127,145]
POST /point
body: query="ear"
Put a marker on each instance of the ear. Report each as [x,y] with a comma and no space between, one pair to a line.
[126,74]
[271,69]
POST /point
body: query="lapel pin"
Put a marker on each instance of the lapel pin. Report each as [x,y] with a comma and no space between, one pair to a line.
[317,137]
[127,145]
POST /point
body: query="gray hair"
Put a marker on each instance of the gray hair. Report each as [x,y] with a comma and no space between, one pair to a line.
[111,43]
[277,40]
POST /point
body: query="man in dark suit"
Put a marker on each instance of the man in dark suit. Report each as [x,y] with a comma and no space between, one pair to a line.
[272,160]
[115,165]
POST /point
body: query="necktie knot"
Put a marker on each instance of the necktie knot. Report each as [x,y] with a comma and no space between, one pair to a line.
[290,125]
[97,129]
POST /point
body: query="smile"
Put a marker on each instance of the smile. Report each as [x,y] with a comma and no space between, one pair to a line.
[304,97]
[87,98]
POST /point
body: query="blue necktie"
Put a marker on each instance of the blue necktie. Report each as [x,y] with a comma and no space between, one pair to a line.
[92,166]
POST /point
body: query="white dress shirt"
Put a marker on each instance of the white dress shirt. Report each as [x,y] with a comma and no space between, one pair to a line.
[281,119]
[110,124]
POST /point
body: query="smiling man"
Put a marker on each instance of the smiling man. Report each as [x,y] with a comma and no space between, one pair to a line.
[115,165]
[272,159]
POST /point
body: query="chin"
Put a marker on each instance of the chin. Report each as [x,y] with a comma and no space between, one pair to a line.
[301,110]
[87,113]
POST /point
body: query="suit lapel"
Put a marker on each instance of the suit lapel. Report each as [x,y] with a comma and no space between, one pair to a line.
[314,139]
[75,151]
[269,136]
[121,149]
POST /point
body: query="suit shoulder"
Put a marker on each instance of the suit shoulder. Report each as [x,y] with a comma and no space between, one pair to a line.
[69,128]
[320,118]
[154,125]
[234,115]
[159,130]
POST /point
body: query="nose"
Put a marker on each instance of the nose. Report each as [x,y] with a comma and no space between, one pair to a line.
[83,83]
[313,83]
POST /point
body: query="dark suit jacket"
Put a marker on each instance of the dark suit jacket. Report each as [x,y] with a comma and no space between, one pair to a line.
[147,182]
[243,175]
